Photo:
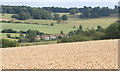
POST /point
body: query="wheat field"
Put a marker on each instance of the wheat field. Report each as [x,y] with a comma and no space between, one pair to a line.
[102,54]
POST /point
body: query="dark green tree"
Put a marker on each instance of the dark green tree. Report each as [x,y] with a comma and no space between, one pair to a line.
[72,12]
[8,35]
[113,31]
[64,17]
[31,34]
[22,16]
[61,32]
[52,24]
[80,27]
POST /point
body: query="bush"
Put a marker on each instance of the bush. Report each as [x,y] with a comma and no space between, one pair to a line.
[24,32]
[9,31]
[75,38]
[113,31]
[52,24]
[14,16]
[9,43]
[22,40]
[8,35]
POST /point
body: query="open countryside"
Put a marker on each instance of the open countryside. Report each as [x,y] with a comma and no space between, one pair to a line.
[72,21]
[59,38]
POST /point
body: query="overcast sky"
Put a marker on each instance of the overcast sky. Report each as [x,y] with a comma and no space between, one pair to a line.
[61,3]
[59,0]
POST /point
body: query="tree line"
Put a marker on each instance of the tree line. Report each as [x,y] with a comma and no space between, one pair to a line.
[25,12]
[88,12]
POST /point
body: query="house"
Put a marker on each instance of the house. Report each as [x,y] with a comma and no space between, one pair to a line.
[37,37]
[48,37]
[45,37]
[52,37]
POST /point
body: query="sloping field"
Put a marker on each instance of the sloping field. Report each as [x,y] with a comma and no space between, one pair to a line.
[101,54]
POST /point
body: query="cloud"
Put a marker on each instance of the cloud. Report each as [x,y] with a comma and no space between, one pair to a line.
[60,0]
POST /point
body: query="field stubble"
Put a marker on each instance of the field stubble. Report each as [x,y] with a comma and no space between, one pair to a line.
[101,54]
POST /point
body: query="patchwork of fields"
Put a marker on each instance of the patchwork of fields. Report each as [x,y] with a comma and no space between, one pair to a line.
[101,54]
[73,20]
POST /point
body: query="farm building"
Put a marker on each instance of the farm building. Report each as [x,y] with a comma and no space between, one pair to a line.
[48,37]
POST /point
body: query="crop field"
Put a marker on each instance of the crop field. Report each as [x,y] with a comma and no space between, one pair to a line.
[101,54]
[73,20]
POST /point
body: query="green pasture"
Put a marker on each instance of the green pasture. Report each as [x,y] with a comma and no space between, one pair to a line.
[73,20]
[37,43]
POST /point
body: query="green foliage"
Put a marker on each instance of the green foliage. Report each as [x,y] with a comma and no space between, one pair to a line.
[22,16]
[9,31]
[61,32]
[8,35]
[22,40]
[56,17]
[52,24]
[59,20]
[80,27]
[31,34]
[88,12]
[113,31]
[9,43]
[14,16]
[75,38]
[71,33]
[74,11]
[100,29]
[64,17]
[21,35]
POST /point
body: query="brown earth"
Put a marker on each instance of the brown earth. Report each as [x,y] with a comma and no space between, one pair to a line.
[101,54]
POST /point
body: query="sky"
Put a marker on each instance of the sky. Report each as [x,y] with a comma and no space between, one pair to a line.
[61,3]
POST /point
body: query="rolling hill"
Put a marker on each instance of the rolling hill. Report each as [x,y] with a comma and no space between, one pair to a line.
[102,54]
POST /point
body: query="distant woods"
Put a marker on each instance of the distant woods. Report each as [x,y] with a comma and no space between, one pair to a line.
[27,12]
[88,12]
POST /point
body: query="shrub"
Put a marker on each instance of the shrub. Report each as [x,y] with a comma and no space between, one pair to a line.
[75,38]
[14,16]
[22,40]
[9,43]
[24,32]
[9,31]
[52,24]
[113,31]
[8,35]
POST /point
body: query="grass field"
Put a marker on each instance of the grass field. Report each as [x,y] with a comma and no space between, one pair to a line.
[37,43]
[43,28]
[73,20]
[12,34]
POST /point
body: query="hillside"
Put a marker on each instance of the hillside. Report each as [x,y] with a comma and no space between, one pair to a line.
[80,55]
[73,20]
